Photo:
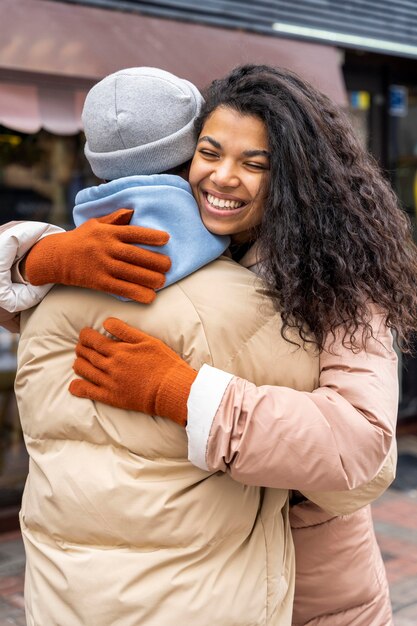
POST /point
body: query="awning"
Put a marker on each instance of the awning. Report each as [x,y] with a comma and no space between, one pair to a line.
[42,38]
[30,107]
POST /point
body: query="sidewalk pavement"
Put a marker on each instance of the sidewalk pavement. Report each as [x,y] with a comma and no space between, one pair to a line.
[12,563]
[395,517]
[395,520]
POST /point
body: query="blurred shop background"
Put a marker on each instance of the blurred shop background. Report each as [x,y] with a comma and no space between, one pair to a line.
[362,53]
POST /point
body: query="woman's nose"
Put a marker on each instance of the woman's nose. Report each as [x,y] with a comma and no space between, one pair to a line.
[224,175]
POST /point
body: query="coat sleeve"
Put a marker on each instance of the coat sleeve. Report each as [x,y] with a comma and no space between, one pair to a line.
[16,294]
[336,438]
[347,502]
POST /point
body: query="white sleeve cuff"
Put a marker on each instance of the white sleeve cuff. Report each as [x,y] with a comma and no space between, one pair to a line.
[204,400]
[15,242]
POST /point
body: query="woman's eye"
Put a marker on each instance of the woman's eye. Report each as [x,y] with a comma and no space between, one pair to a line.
[258,166]
[208,153]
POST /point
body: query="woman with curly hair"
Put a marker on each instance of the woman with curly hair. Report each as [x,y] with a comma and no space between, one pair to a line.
[279,169]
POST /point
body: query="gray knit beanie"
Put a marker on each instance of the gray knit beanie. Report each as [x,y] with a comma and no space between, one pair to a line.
[140,121]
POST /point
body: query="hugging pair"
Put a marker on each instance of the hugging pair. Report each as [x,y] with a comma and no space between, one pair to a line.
[296,391]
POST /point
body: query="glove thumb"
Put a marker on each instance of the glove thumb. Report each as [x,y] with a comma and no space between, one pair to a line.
[121,217]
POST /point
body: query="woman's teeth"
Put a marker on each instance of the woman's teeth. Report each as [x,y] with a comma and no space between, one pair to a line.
[223,204]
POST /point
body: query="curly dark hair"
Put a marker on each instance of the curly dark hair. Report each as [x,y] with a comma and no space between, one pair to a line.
[333,236]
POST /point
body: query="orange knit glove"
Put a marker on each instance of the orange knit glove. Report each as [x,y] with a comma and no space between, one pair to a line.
[137,372]
[99,255]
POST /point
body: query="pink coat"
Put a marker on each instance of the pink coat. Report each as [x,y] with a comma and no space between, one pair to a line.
[344,436]
[340,576]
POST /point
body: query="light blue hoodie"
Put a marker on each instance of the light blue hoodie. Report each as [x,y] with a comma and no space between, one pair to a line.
[160,201]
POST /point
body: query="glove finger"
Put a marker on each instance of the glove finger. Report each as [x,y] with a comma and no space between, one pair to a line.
[84,368]
[123,331]
[136,275]
[135,255]
[129,334]
[145,236]
[95,358]
[117,287]
[120,217]
[93,339]
[84,389]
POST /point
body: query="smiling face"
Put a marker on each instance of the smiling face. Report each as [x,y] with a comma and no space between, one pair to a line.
[230,172]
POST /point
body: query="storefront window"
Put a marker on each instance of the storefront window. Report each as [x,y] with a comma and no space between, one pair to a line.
[403,166]
[359,110]
[403,154]
[40,175]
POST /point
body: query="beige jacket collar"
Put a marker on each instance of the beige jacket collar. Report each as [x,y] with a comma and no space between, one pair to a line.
[251,258]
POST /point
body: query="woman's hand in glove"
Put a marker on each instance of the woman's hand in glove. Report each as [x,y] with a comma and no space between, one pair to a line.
[99,255]
[135,372]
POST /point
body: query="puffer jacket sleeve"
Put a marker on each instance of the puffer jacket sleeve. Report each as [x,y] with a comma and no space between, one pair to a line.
[16,294]
[347,502]
[337,438]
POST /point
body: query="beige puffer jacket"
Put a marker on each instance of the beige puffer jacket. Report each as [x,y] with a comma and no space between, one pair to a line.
[119,528]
